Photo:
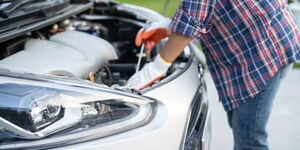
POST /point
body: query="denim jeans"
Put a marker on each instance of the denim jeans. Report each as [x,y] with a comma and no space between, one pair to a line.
[249,121]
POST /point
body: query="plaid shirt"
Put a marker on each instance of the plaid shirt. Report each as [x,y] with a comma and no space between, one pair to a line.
[245,42]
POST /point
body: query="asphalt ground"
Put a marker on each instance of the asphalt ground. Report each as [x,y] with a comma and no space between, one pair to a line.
[284,124]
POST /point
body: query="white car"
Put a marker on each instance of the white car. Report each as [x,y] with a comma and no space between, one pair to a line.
[63,71]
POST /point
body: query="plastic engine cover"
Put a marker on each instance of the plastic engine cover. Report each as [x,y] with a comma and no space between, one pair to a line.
[69,53]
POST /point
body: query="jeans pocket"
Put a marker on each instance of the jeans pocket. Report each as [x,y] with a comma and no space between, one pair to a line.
[284,71]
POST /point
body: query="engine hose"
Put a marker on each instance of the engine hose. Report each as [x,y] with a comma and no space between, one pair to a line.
[109,75]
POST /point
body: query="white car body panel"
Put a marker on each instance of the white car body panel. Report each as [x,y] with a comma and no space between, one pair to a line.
[172,113]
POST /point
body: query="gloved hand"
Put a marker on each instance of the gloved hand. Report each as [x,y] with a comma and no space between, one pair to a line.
[150,73]
[152,34]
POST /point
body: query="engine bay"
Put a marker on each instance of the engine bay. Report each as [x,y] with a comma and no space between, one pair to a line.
[95,45]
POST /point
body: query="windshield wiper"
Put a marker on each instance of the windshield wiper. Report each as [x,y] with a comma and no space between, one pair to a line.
[13,6]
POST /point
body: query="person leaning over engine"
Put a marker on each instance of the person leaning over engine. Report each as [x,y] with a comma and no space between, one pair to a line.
[249,46]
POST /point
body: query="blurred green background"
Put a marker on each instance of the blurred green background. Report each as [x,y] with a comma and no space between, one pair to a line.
[157,5]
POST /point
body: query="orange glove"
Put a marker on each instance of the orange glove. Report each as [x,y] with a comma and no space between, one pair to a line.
[153,34]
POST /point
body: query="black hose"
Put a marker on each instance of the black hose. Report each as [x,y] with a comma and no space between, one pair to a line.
[110,77]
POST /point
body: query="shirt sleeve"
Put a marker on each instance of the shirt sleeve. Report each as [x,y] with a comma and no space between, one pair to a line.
[193,17]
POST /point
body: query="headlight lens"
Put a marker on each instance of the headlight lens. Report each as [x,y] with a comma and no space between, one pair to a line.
[51,114]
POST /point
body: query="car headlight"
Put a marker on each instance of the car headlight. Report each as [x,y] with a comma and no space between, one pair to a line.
[48,113]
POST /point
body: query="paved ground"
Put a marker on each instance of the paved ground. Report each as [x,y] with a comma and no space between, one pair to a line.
[284,126]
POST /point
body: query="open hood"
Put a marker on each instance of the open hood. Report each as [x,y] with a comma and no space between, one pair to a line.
[35,14]
[19,13]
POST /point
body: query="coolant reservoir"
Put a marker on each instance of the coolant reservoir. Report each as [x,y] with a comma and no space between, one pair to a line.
[96,49]
[69,53]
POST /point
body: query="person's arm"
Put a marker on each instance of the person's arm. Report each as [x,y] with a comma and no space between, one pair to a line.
[190,21]
[174,46]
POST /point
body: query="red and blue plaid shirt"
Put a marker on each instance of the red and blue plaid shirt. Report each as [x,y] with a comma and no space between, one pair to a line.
[245,42]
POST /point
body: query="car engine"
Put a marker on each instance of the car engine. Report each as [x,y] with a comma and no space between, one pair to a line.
[99,48]
[69,53]
[76,47]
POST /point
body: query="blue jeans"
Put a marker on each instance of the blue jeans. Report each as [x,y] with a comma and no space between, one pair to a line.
[249,121]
